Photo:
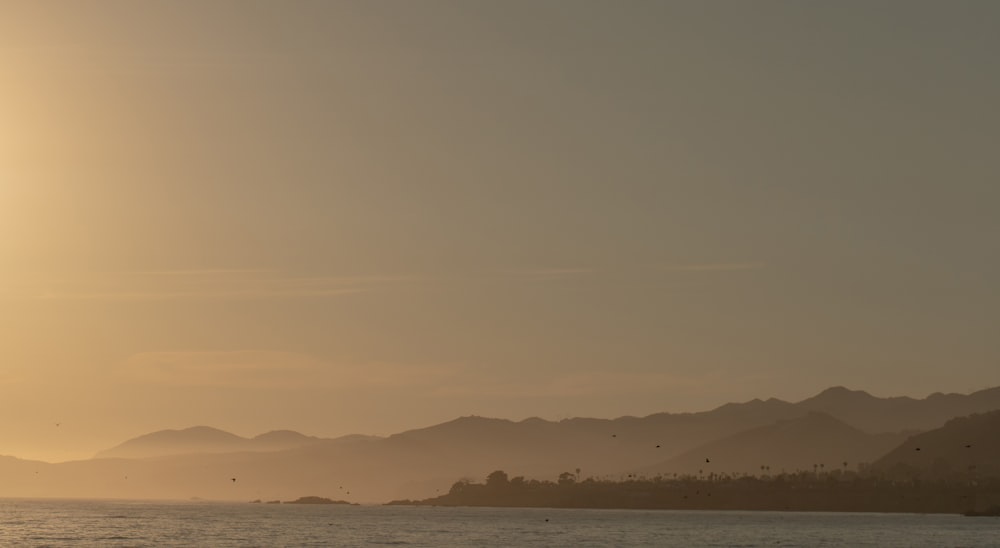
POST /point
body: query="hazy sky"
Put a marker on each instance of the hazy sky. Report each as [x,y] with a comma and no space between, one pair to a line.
[367,216]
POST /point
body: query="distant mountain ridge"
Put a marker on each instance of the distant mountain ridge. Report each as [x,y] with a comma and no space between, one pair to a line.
[965,448]
[805,443]
[204,439]
[202,461]
[856,408]
[875,415]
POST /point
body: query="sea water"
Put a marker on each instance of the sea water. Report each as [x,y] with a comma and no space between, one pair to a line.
[131,523]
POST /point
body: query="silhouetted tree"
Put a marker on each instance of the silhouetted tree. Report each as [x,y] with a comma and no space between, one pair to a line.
[496,479]
[566,478]
[458,487]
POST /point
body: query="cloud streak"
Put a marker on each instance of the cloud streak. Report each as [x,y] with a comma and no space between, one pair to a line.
[249,284]
[189,285]
[577,385]
[546,273]
[712,267]
[275,370]
[256,372]
[242,369]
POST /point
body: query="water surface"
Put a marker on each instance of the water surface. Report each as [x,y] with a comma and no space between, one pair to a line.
[129,523]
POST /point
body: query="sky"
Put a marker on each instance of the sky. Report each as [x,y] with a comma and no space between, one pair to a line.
[368,216]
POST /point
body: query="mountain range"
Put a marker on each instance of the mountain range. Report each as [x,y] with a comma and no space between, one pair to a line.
[814,441]
[965,448]
[205,439]
[836,426]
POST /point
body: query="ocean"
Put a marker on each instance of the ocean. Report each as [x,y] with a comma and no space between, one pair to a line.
[137,523]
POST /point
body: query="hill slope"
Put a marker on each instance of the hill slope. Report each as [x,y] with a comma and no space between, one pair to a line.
[786,446]
[964,448]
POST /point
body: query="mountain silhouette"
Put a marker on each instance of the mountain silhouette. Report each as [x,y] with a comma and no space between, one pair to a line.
[811,442]
[872,414]
[287,438]
[964,448]
[834,426]
[203,439]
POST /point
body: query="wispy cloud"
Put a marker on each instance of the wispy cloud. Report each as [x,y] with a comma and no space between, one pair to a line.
[248,284]
[546,273]
[260,369]
[192,272]
[712,267]
[244,369]
[582,384]
[187,284]
[565,273]
[167,295]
